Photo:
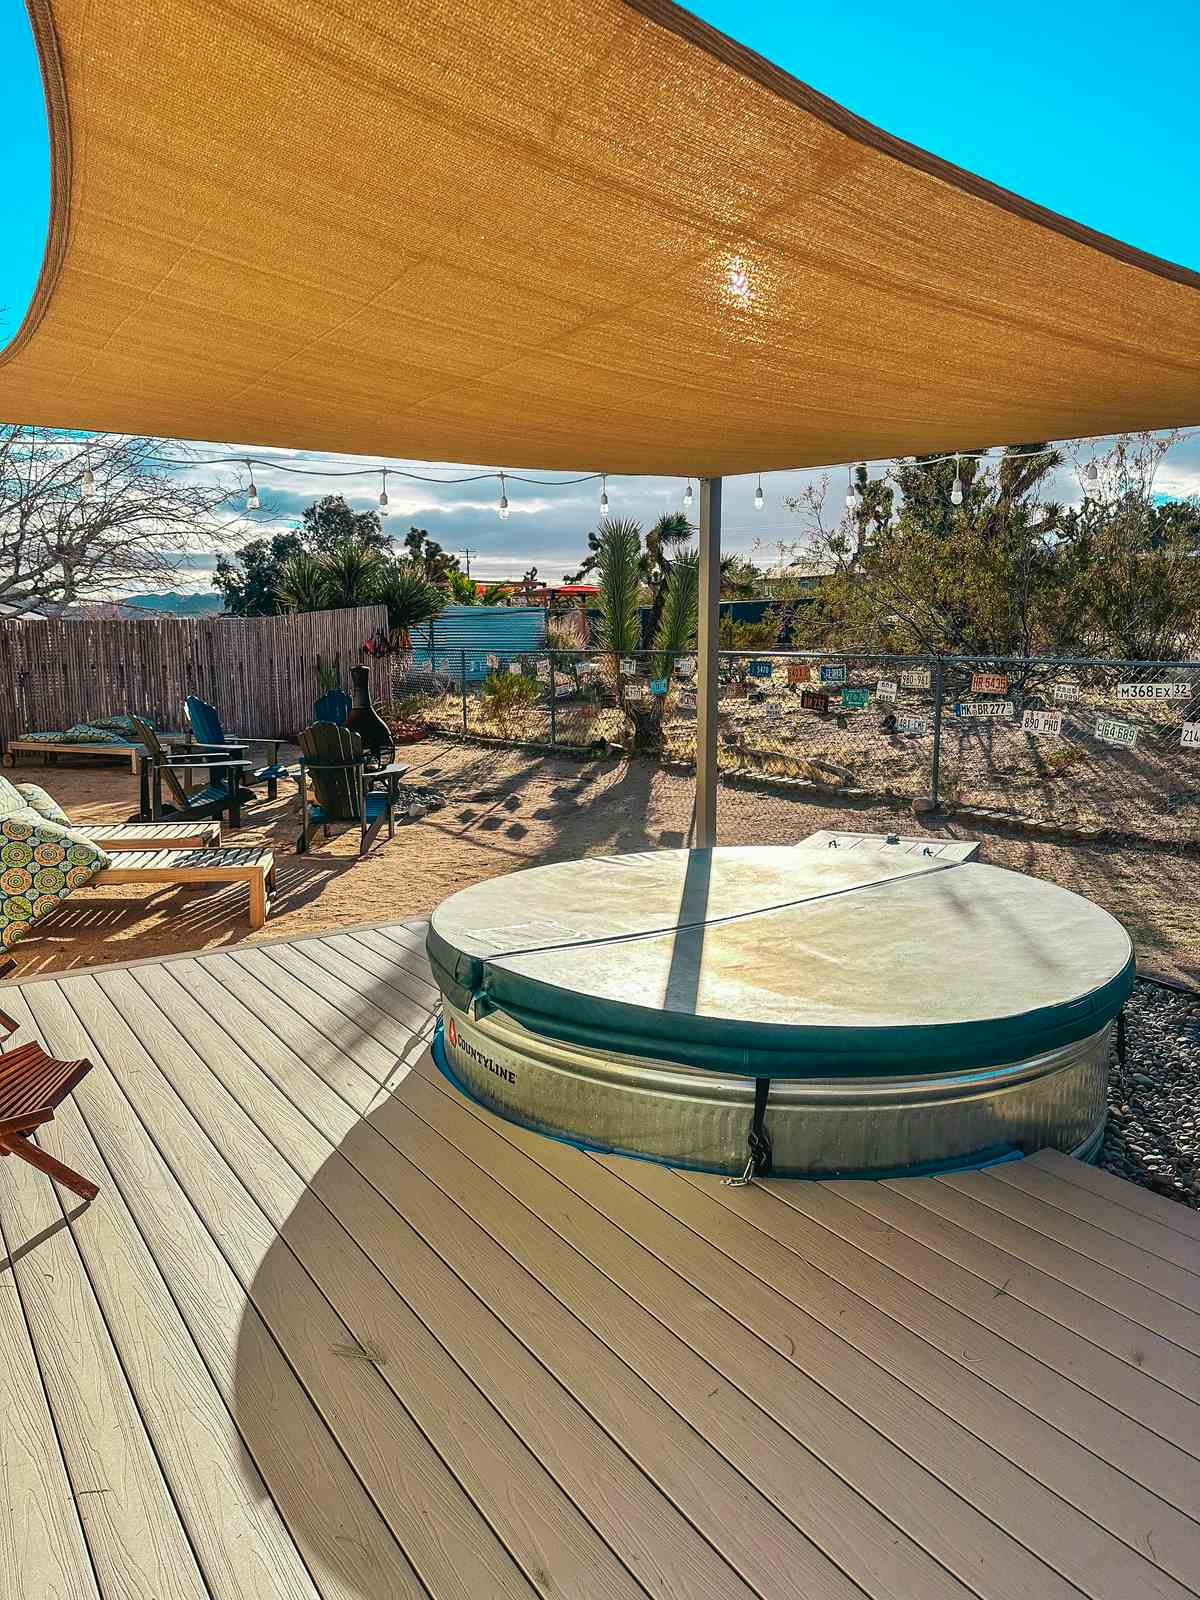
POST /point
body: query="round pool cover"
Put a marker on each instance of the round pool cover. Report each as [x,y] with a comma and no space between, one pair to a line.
[786,962]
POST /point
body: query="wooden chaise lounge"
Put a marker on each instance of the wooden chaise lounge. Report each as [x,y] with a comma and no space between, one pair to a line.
[253,867]
[111,836]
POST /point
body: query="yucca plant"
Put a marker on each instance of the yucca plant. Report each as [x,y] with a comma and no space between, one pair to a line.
[353,572]
[410,598]
[303,582]
[677,630]
[618,554]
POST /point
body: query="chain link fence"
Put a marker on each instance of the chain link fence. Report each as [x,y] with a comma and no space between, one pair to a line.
[1085,743]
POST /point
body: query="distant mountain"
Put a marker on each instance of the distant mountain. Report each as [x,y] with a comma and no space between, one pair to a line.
[178,605]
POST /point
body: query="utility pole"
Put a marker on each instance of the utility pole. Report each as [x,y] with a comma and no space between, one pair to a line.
[467,554]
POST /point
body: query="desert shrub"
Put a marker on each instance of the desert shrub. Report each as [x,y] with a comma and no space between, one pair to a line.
[507,699]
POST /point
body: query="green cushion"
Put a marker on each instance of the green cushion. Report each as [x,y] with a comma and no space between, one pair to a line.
[44,804]
[41,863]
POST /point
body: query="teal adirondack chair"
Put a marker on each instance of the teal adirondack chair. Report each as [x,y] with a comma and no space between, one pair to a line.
[333,706]
[208,733]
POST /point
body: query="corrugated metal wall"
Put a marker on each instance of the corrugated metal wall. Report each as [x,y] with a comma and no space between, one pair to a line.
[477,631]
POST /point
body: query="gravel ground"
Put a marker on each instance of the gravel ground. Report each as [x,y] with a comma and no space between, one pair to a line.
[1153,1135]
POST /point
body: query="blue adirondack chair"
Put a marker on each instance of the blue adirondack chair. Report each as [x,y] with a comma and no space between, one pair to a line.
[333,706]
[208,733]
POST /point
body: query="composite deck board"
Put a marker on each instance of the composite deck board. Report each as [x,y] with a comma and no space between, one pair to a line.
[710,1491]
[1150,1238]
[1008,1497]
[341,1533]
[993,1324]
[341,1333]
[1128,1196]
[138,1543]
[1010,1276]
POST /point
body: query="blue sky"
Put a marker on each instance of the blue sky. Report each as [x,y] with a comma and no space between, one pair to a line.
[1086,108]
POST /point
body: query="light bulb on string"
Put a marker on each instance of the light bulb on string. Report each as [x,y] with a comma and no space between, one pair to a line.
[853,492]
[87,484]
[956,488]
[383,499]
[604,494]
[1091,481]
[758,495]
[503,501]
[687,496]
[252,500]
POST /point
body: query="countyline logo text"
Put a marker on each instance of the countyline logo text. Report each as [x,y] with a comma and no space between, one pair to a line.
[457,1042]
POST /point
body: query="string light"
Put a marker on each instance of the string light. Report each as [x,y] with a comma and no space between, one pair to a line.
[383,499]
[758,495]
[503,501]
[87,484]
[1091,481]
[853,492]
[604,494]
[687,496]
[956,488]
[252,500]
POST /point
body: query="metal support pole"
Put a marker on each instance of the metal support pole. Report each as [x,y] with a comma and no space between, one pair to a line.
[553,703]
[936,774]
[463,684]
[709,639]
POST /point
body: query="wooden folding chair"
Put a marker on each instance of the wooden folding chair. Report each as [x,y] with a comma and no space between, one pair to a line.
[7,1024]
[32,1085]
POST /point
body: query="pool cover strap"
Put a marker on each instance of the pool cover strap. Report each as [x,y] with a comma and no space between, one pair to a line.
[758,1140]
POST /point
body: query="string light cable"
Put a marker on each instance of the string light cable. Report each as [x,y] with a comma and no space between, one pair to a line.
[854,496]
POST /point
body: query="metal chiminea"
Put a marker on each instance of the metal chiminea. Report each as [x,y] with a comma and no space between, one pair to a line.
[364,720]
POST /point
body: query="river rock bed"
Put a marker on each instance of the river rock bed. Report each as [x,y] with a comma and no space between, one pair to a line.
[1153,1134]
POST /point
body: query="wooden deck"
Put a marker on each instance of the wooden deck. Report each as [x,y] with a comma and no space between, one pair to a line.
[330,1330]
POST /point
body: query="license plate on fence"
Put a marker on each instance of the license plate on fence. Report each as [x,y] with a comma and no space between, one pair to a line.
[918,678]
[912,724]
[686,666]
[1190,736]
[761,669]
[854,699]
[658,686]
[1154,691]
[800,673]
[885,689]
[834,673]
[985,710]
[1042,722]
[628,667]
[1064,693]
[1123,733]
[814,700]
[989,682]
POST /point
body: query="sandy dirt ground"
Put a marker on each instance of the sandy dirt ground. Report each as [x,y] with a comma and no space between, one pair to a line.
[509,809]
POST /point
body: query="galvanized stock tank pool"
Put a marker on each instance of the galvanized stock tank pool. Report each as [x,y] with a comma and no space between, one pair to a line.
[805,1010]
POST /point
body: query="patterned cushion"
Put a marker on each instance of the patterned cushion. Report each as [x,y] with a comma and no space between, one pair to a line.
[41,862]
[11,799]
[45,805]
[87,733]
[122,725]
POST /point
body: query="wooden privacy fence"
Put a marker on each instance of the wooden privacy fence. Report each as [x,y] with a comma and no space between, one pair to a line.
[260,672]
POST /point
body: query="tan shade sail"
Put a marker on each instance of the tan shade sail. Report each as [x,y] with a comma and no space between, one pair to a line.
[558,233]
